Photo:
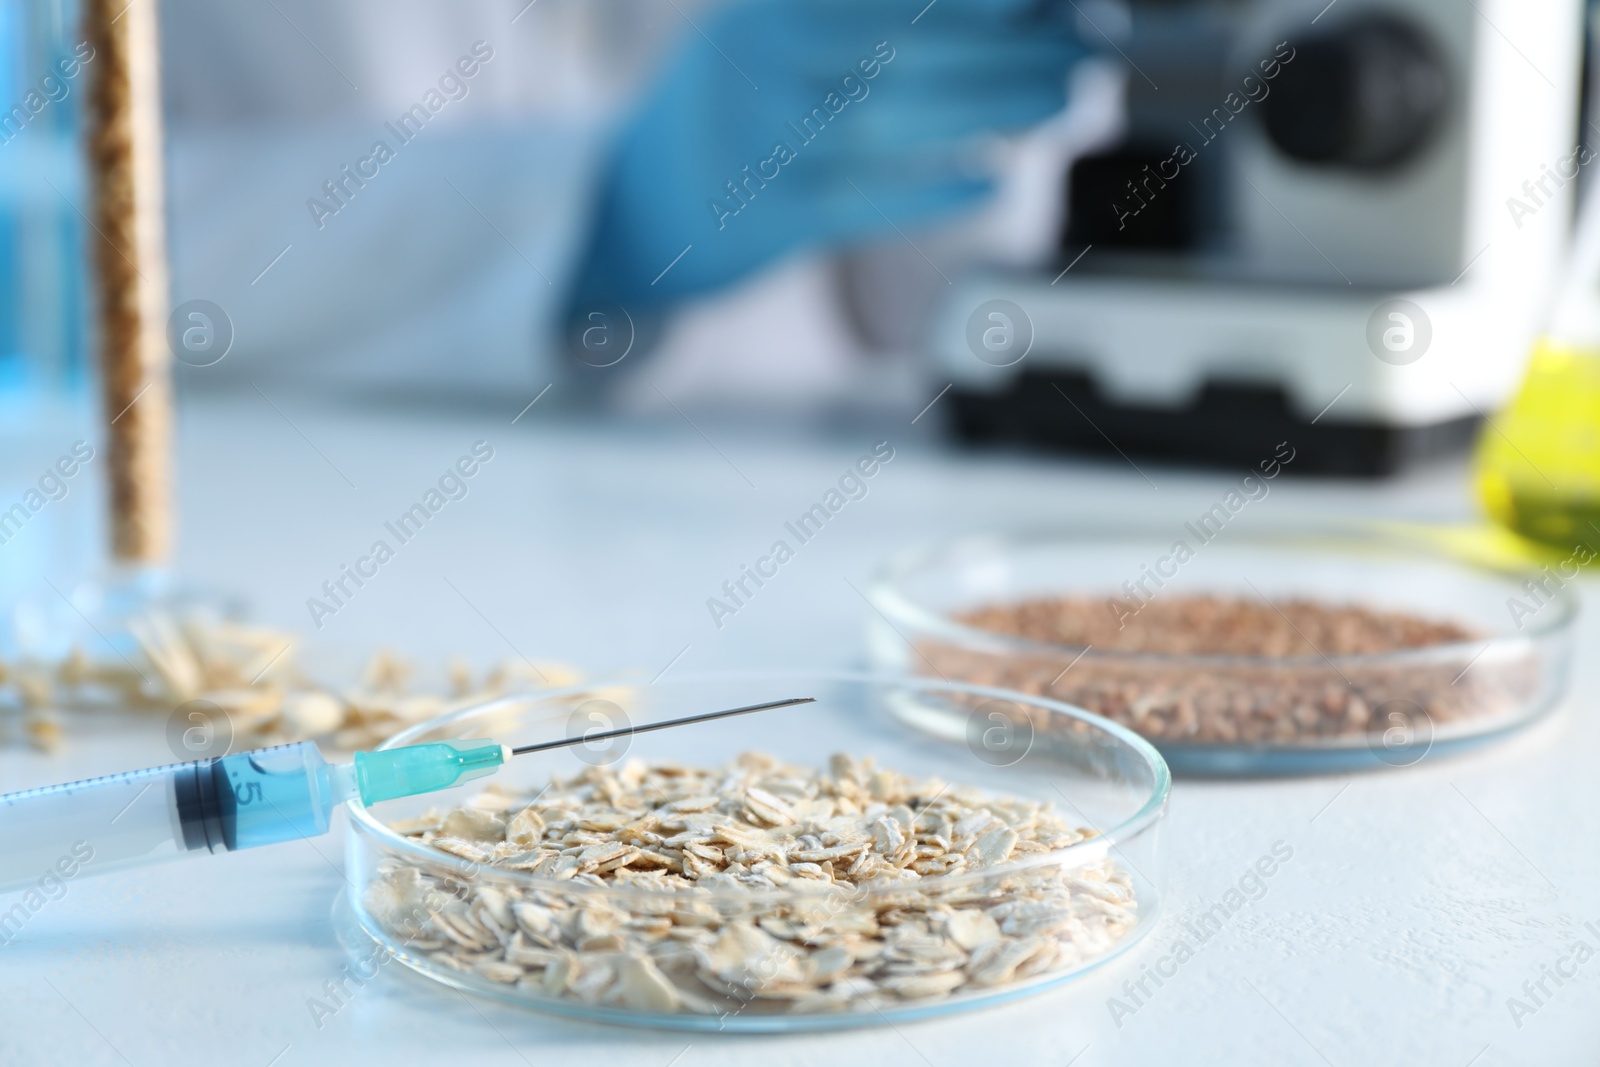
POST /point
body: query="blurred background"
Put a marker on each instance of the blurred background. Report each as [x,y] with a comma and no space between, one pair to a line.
[1381,164]
[1182,230]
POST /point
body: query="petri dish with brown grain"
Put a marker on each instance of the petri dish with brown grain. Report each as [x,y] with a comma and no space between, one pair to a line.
[1256,651]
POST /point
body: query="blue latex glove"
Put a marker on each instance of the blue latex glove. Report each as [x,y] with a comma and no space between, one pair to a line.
[893,105]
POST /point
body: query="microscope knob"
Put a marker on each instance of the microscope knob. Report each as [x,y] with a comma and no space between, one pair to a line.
[1367,96]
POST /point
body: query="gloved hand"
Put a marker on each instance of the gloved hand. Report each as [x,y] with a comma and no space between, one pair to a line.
[797,123]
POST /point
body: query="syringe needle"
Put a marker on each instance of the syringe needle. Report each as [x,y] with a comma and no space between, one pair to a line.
[583,739]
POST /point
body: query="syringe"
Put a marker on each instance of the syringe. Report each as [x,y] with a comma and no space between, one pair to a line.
[243,800]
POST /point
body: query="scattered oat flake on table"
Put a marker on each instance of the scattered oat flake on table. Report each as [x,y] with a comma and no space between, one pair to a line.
[252,676]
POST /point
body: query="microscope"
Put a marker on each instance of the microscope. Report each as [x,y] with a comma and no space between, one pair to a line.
[1336,225]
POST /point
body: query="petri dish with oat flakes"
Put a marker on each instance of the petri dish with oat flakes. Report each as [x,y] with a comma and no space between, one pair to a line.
[1263,651]
[804,868]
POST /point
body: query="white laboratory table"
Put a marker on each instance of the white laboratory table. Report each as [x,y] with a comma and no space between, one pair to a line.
[1416,902]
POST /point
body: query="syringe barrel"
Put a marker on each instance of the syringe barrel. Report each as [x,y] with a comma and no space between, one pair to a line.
[126,820]
[102,824]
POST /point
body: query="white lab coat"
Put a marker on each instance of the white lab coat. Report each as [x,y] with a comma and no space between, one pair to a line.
[442,269]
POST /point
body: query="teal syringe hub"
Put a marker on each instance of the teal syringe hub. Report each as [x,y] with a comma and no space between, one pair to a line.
[403,772]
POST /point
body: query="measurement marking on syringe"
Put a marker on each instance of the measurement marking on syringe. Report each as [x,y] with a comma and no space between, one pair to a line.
[132,802]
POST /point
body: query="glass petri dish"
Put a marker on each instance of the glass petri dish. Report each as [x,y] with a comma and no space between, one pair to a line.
[1298,713]
[810,954]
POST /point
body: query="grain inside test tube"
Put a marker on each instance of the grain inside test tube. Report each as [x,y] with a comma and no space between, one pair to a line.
[130,257]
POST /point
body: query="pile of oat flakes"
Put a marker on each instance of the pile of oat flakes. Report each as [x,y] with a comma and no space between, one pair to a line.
[756,886]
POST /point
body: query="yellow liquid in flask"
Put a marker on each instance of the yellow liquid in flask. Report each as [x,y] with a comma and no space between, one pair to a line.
[1538,462]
